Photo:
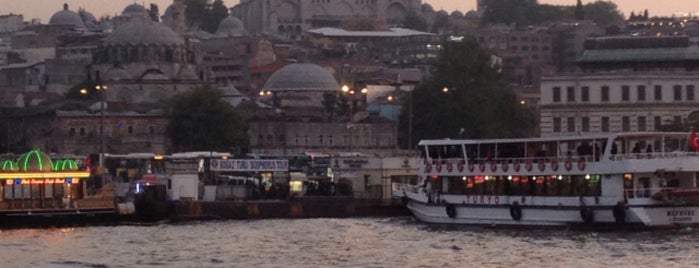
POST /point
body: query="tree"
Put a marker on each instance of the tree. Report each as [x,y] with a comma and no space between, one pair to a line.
[478,100]
[604,13]
[519,12]
[201,120]
[329,103]
[414,21]
[195,12]
[154,12]
[579,12]
[216,13]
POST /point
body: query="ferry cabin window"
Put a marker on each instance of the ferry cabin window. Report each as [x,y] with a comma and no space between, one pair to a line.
[579,185]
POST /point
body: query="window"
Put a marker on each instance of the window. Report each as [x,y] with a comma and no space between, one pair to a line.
[571,124]
[625,124]
[677,92]
[71,132]
[605,124]
[658,92]
[657,122]
[570,94]
[330,140]
[641,90]
[585,94]
[641,124]
[556,124]
[82,131]
[585,124]
[690,92]
[604,93]
[151,129]
[625,93]
[130,130]
[556,94]
[320,139]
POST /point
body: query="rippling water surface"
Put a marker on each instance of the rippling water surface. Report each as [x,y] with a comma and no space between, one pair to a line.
[395,242]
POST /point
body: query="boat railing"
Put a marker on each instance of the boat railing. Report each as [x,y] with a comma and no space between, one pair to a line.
[402,187]
[653,155]
[510,160]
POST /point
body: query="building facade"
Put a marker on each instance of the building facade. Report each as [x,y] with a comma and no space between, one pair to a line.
[626,85]
[291,18]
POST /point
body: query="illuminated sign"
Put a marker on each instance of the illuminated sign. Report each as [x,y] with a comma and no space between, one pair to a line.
[44,175]
[249,165]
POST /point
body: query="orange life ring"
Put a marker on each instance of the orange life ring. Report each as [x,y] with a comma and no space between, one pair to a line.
[568,165]
[581,164]
[504,166]
[528,165]
[471,166]
[493,166]
[428,167]
[439,167]
[449,167]
[542,165]
[554,165]
[481,166]
[460,166]
[515,166]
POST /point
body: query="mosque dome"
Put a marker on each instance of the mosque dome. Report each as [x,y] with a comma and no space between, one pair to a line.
[134,10]
[67,17]
[34,160]
[8,165]
[301,77]
[231,26]
[143,32]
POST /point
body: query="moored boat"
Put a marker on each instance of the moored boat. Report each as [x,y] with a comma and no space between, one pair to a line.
[627,179]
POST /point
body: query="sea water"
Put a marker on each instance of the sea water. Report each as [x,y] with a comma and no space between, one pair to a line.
[355,242]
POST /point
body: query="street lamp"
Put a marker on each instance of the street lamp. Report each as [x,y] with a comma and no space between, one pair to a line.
[101,89]
[352,94]
[395,123]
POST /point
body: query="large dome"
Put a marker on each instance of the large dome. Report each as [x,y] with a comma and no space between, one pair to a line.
[143,32]
[134,10]
[231,26]
[67,18]
[301,77]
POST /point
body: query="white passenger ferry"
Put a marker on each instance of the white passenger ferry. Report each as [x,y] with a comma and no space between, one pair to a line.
[645,179]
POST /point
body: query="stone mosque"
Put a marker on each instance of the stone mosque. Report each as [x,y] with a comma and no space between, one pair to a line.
[291,18]
[143,60]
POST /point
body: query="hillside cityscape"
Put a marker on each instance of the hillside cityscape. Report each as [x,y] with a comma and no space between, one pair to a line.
[357,78]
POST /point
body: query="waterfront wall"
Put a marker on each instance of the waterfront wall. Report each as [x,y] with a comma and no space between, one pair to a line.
[316,207]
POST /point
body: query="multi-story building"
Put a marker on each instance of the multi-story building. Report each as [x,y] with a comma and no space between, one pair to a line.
[625,84]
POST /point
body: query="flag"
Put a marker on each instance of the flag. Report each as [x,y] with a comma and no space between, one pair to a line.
[694,140]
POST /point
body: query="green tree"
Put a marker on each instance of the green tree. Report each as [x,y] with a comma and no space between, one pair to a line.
[216,13]
[329,103]
[477,100]
[579,12]
[201,120]
[604,13]
[205,14]
[519,12]
[440,22]
[414,21]
[74,93]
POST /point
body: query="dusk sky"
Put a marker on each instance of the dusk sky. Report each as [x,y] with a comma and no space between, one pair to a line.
[43,9]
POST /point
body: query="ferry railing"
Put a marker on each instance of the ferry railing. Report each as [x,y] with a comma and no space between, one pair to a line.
[656,155]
